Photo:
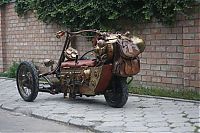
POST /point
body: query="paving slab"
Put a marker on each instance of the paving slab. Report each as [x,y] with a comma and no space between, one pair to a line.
[140,114]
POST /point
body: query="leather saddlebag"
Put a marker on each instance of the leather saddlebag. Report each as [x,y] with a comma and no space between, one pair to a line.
[126,67]
[128,49]
[126,60]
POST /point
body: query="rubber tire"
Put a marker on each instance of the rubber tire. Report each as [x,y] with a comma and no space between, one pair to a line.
[117,93]
[35,87]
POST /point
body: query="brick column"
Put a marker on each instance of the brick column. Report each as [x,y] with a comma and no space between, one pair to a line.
[191,42]
[2,27]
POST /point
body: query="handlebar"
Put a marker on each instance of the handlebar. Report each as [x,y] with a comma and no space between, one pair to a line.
[82,31]
[61,33]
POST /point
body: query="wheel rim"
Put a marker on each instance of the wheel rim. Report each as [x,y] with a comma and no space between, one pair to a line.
[25,80]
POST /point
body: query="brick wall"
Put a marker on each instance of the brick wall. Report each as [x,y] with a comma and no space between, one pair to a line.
[171,58]
[26,38]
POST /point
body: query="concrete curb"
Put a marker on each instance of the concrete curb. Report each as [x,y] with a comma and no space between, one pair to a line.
[7,78]
[90,128]
[165,98]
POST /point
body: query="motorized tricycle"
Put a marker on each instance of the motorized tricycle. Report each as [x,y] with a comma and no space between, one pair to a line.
[114,58]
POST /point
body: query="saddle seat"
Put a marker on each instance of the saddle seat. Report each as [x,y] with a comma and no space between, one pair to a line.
[89,63]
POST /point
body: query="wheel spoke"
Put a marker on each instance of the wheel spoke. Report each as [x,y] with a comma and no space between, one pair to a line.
[25,81]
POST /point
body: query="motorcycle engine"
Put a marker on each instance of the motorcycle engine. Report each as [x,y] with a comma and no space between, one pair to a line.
[78,76]
[84,78]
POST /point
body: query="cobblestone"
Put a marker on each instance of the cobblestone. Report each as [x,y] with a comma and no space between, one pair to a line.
[140,114]
[159,129]
[136,129]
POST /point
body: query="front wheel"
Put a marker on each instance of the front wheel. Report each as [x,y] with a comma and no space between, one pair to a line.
[27,81]
[117,93]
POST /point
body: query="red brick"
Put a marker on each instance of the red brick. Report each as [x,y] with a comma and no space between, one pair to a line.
[146,31]
[160,73]
[176,68]
[177,30]
[195,83]
[150,73]
[177,55]
[191,50]
[145,66]
[198,29]
[160,36]
[146,78]
[143,60]
[161,61]
[176,42]
[166,42]
[160,48]
[191,70]
[143,72]
[186,23]
[189,36]
[170,36]
[146,54]
[193,29]
[165,30]
[174,61]
[178,81]
[189,76]
[156,54]
[179,36]
[191,42]
[151,61]
[150,37]
[155,31]
[138,77]
[150,48]
[173,86]
[155,67]
[156,79]
[194,56]
[172,74]
[190,63]
[166,80]
[171,49]
[197,36]
[155,42]
[197,22]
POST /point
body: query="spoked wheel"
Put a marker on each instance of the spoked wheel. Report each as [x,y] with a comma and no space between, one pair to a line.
[117,93]
[27,81]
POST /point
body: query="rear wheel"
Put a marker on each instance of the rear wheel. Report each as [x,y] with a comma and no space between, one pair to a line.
[117,93]
[27,81]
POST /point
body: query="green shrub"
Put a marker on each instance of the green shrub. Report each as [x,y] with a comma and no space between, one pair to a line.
[11,72]
[2,2]
[103,14]
[184,94]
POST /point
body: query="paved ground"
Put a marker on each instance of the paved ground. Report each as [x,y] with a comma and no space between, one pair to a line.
[140,114]
[12,122]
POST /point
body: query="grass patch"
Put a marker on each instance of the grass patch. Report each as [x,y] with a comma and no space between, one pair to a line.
[183,94]
[11,72]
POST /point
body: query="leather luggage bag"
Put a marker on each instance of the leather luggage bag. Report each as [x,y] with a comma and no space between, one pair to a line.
[128,49]
[126,67]
[125,63]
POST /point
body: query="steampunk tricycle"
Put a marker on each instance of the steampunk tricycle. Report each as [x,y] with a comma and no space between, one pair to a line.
[115,57]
